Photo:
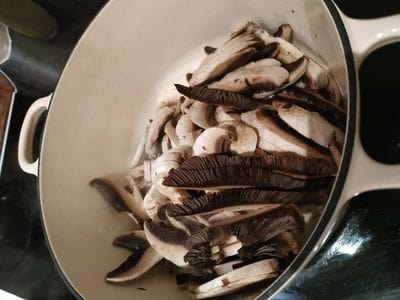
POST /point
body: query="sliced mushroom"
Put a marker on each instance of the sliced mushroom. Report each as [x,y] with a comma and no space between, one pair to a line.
[165,144]
[236,279]
[156,127]
[281,135]
[242,198]
[219,97]
[310,124]
[237,176]
[153,201]
[169,243]
[281,161]
[212,140]
[113,189]
[143,258]
[186,131]
[333,91]
[226,113]
[193,274]
[169,130]
[202,114]
[266,74]
[285,32]
[140,153]
[160,169]
[234,53]
[316,77]
[268,51]
[245,139]
[288,52]
[314,102]
[185,107]
[336,150]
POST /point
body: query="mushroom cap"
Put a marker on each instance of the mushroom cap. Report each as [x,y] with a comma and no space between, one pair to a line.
[265,74]
[156,127]
[186,131]
[202,114]
[245,138]
[212,140]
[234,53]
[169,243]
[310,124]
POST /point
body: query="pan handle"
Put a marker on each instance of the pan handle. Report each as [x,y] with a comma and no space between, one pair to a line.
[364,173]
[369,35]
[25,142]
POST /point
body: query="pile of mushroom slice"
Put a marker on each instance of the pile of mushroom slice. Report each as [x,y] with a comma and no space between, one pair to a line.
[233,170]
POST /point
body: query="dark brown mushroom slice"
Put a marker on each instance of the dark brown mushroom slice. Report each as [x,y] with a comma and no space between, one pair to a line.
[255,226]
[193,274]
[219,97]
[282,161]
[236,197]
[142,259]
[239,176]
[313,101]
[209,49]
[268,51]
[285,32]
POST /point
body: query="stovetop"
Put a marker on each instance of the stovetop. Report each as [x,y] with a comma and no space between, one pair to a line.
[360,261]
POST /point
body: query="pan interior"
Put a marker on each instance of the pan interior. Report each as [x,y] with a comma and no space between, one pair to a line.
[107,93]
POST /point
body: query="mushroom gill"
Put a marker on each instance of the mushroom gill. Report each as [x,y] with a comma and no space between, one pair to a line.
[226,199]
[219,97]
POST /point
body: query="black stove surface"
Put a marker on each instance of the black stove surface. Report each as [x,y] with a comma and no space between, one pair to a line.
[360,261]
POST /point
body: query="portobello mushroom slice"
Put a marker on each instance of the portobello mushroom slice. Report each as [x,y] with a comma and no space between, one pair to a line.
[236,279]
[168,242]
[186,131]
[203,114]
[281,161]
[336,150]
[313,102]
[310,124]
[114,190]
[237,177]
[155,130]
[245,138]
[152,202]
[142,259]
[316,77]
[234,53]
[239,198]
[219,97]
[282,136]
[201,275]
[226,113]
[212,140]
[160,168]
[265,74]
[285,32]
